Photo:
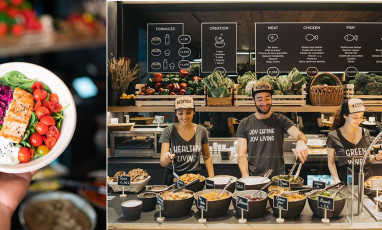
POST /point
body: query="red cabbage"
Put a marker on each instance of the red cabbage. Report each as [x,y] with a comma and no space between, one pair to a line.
[6,96]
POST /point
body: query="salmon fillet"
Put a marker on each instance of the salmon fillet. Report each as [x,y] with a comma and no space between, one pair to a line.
[17,117]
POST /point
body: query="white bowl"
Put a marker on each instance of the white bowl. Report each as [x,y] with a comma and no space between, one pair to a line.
[57,86]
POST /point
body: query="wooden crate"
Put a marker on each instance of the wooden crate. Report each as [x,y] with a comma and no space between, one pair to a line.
[162,100]
[220,101]
[367,99]
[244,100]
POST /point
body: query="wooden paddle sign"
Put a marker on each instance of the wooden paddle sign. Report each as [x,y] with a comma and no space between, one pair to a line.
[326,203]
[318,184]
[124,180]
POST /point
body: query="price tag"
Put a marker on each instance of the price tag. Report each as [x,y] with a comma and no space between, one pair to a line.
[376,184]
[210,184]
[284,183]
[312,71]
[202,203]
[242,203]
[240,186]
[179,183]
[160,202]
[326,203]
[124,180]
[280,202]
[318,184]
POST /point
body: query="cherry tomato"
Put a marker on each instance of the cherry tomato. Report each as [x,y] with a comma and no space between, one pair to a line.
[39,94]
[24,155]
[55,107]
[37,105]
[41,111]
[36,139]
[37,85]
[41,128]
[32,152]
[42,150]
[46,104]
[53,97]
[48,120]
[51,142]
[53,132]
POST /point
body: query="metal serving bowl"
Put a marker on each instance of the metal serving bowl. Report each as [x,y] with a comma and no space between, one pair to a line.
[79,202]
[258,182]
[255,207]
[224,178]
[338,207]
[177,208]
[292,185]
[215,208]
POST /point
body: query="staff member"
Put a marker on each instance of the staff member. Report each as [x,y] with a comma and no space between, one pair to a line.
[348,142]
[187,142]
[261,136]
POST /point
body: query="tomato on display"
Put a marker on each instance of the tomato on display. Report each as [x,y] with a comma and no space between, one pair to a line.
[25,154]
[39,94]
[50,142]
[53,132]
[37,85]
[48,120]
[36,139]
[55,107]
[53,97]
[41,128]
[42,150]
[41,111]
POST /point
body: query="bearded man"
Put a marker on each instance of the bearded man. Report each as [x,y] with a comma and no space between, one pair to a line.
[261,137]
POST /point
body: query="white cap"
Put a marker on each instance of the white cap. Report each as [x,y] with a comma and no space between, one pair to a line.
[356,105]
[184,102]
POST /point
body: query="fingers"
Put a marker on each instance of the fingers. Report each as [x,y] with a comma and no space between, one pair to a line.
[302,154]
[170,156]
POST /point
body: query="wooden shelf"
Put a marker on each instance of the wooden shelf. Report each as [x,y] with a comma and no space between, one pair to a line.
[44,43]
[308,108]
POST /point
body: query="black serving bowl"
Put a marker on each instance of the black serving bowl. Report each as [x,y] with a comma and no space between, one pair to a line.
[149,201]
[222,180]
[294,208]
[215,208]
[338,206]
[225,154]
[298,185]
[254,182]
[177,208]
[256,208]
[132,212]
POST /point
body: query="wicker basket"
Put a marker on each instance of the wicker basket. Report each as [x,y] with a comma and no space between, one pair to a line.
[326,95]
[134,187]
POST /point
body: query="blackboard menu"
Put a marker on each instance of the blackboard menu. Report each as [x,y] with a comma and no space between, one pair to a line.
[240,186]
[165,51]
[219,46]
[344,47]
[242,203]
[210,184]
[326,203]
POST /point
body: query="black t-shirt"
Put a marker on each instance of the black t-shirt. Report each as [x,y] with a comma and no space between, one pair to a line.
[187,153]
[348,152]
[265,140]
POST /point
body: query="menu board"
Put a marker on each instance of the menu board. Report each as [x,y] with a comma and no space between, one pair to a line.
[219,46]
[165,51]
[327,47]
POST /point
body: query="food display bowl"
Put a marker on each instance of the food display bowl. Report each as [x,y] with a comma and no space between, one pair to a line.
[215,208]
[177,208]
[198,186]
[256,208]
[254,182]
[149,201]
[292,185]
[294,208]
[131,209]
[222,180]
[368,191]
[338,207]
[57,86]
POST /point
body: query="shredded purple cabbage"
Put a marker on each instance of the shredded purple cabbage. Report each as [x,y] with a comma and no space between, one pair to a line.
[6,96]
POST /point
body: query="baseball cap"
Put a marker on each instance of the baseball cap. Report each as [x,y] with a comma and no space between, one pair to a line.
[355,105]
[184,102]
[261,87]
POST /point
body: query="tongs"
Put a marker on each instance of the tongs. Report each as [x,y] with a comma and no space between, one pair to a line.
[304,190]
[341,184]
[173,168]
[294,166]
[225,187]
[268,173]
[261,189]
[186,185]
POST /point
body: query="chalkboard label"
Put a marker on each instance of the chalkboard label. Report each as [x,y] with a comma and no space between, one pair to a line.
[311,71]
[284,183]
[318,184]
[280,202]
[376,184]
[179,183]
[219,46]
[124,180]
[160,202]
[210,184]
[202,203]
[329,47]
[242,203]
[165,51]
[273,71]
[240,186]
[326,203]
